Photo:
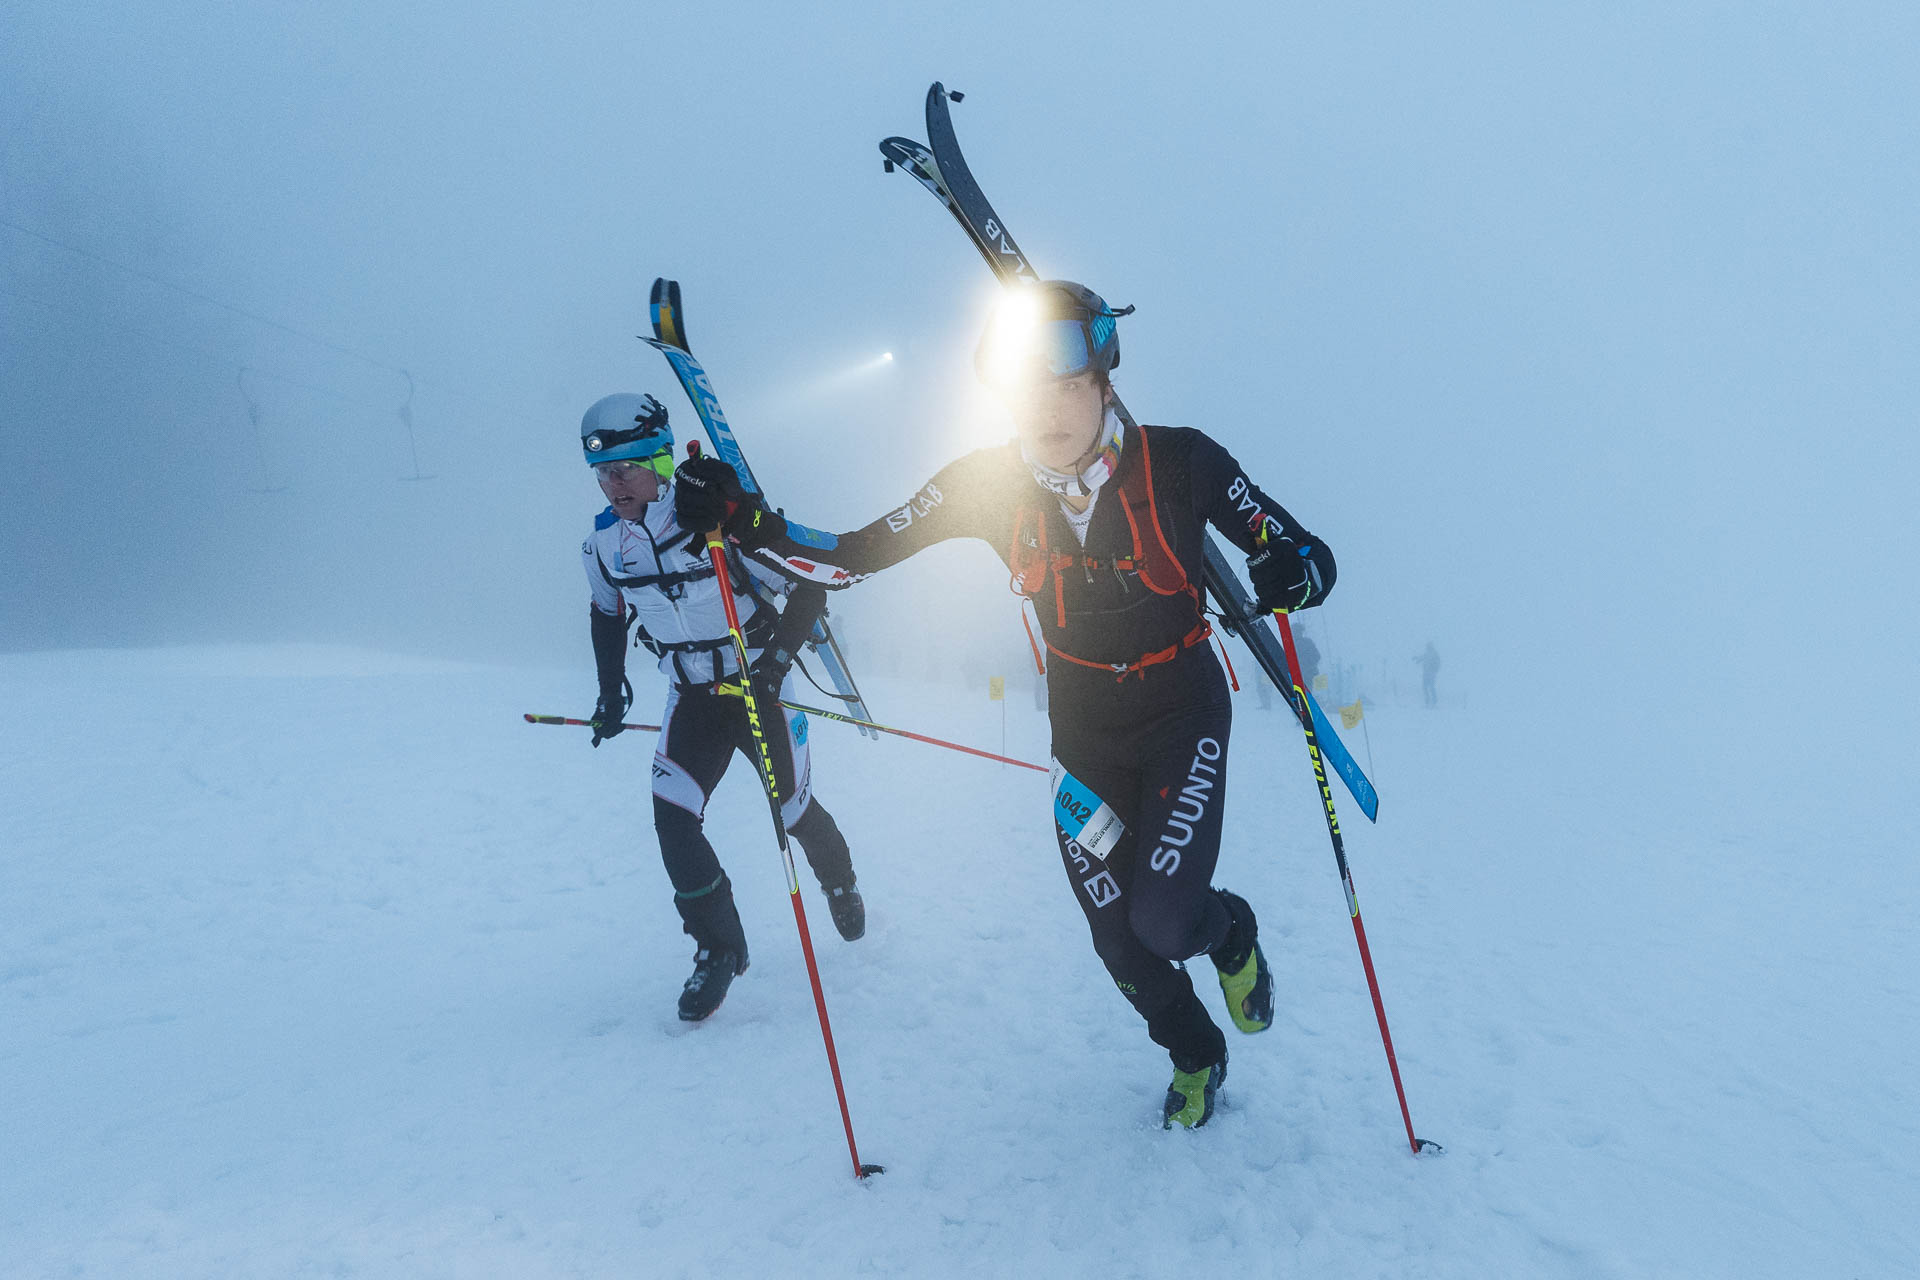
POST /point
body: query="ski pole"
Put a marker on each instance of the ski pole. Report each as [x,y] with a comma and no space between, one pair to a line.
[1419,1145]
[717,552]
[824,714]
[531,718]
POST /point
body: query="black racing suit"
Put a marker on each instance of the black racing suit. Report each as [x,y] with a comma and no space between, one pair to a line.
[1138,701]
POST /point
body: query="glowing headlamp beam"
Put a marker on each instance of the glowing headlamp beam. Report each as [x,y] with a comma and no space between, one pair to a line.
[1011,334]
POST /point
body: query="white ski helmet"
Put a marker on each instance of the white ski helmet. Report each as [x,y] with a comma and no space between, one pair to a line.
[625,426]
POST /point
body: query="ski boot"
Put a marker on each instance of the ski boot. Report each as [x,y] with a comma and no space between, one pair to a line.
[1244,977]
[826,850]
[1190,1096]
[713,973]
[848,910]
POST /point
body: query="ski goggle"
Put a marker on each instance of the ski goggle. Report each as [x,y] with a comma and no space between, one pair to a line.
[1019,347]
[661,464]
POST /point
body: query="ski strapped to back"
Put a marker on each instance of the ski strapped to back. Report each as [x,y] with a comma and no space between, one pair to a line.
[942,170]
[670,340]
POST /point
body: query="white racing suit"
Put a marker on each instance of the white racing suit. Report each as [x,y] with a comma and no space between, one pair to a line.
[652,571]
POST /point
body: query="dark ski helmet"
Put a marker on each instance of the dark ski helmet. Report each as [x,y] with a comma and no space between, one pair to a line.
[625,427]
[1050,330]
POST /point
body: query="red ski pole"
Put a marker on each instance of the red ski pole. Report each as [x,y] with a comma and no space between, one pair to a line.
[717,552]
[825,714]
[1419,1145]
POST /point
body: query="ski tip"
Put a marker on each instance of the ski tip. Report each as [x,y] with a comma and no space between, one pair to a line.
[663,304]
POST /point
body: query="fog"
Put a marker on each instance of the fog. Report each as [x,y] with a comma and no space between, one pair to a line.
[1583,334]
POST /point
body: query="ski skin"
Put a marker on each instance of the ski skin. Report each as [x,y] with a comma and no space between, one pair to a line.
[670,340]
[942,170]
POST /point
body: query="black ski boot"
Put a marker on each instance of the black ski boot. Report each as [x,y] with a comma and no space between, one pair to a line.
[721,947]
[1244,977]
[713,973]
[848,910]
[826,850]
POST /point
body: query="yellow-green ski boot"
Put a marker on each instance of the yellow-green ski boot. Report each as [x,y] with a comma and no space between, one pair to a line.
[1190,1096]
[1244,977]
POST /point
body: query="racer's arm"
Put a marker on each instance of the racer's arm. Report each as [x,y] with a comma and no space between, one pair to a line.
[1290,568]
[805,604]
[607,625]
[957,503]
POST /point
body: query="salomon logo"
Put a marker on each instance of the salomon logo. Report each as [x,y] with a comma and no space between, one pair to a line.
[1241,494]
[916,508]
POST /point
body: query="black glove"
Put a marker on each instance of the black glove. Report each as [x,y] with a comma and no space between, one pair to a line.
[1291,575]
[707,494]
[804,608]
[770,669]
[610,664]
[609,715]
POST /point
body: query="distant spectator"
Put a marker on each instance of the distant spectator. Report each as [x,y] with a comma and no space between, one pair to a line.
[1429,661]
[1309,657]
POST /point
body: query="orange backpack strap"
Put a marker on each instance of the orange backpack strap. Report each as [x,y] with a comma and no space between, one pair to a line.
[1159,567]
[1032,560]
[1026,558]
[1138,667]
[1038,665]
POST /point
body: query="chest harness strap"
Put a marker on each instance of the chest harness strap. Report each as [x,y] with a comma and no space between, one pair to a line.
[1036,566]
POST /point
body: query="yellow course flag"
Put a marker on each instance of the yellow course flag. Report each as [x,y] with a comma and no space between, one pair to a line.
[996,688]
[1320,683]
[1350,716]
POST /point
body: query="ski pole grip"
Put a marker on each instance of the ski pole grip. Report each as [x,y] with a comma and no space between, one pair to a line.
[715,536]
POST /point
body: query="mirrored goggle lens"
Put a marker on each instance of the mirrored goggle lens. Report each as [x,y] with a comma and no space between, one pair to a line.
[661,464]
[1049,349]
[1064,348]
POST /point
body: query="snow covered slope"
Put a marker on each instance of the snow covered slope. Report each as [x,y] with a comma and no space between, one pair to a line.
[318,962]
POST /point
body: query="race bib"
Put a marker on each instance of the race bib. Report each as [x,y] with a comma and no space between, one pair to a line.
[1084,816]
